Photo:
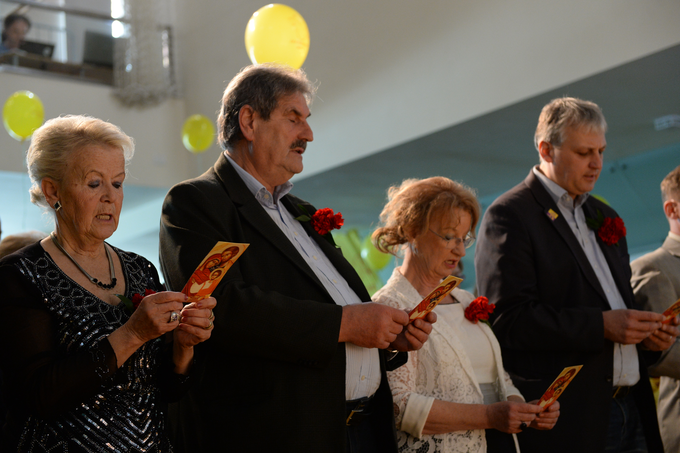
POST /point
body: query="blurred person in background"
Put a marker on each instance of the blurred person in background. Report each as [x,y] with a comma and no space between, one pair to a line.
[656,285]
[14,30]
[14,242]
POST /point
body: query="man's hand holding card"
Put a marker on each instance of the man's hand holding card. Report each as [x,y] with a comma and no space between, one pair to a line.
[671,312]
[665,336]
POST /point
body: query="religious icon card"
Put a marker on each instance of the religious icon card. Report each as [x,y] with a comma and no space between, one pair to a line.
[212,269]
[558,386]
[671,312]
[431,300]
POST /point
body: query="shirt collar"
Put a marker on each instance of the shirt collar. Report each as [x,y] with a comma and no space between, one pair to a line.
[674,236]
[558,193]
[257,188]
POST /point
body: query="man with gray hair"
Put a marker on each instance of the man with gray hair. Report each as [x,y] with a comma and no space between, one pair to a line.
[656,284]
[555,262]
[297,362]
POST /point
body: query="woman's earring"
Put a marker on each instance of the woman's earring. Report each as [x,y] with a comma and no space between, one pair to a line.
[57,206]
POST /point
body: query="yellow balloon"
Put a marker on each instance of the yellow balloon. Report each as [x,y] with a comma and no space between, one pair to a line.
[601,198]
[22,114]
[277,34]
[198,133]
[375,259]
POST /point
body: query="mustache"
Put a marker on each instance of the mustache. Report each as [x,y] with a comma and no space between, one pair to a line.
[299,144]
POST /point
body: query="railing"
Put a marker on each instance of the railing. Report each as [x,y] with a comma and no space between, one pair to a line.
[76,42]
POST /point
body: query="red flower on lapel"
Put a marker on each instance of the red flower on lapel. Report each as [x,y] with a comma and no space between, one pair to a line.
[323,221]
[609,229]
[479,309]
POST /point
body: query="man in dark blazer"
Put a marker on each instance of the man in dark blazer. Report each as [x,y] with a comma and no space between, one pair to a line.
[656,285]
[563,296]
[296,362]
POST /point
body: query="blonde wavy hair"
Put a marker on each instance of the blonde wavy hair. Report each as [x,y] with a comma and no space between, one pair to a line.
[55,140]
[412,205]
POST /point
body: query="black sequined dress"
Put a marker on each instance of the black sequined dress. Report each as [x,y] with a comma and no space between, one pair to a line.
[61,385]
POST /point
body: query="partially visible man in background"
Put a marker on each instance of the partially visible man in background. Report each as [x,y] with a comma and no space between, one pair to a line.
[656,284]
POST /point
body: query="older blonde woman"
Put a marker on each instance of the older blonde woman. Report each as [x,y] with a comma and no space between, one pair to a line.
[453,395]
[84,372]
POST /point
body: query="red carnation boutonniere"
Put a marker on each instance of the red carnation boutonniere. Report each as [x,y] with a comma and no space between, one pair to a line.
[609,229]
[323,221]
[131,305]
[479,310]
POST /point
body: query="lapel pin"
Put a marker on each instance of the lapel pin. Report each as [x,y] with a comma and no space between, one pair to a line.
[552,214]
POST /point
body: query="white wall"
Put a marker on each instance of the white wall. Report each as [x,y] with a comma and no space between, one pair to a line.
[160,158]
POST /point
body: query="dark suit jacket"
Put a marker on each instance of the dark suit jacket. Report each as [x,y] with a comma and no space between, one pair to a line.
[272,377]
[549,306]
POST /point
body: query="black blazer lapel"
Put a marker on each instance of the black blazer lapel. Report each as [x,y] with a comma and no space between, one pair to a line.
[334,254]
[611,254]
[253,213]
[560,224]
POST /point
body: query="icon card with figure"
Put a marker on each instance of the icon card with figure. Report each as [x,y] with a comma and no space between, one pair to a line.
[431,300]
[212,269]
[671,312]
[559,384]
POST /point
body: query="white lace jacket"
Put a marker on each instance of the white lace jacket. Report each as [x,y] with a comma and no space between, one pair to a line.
[440,370]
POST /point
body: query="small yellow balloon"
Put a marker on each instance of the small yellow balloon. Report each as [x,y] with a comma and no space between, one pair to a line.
[198,133]
[277,34]
[601,198]
[375,259]
[22,114]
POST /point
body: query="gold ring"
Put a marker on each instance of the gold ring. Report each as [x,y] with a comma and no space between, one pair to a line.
[209,327]
[212,316]
[174,316]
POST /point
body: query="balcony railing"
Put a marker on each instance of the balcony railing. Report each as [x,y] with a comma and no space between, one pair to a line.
[76,43]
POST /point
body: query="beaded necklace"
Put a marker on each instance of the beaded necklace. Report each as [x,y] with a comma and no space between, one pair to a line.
[112,271]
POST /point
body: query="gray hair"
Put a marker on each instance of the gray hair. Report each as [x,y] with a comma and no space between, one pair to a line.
[55,140]
[260,87]
[562,113]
